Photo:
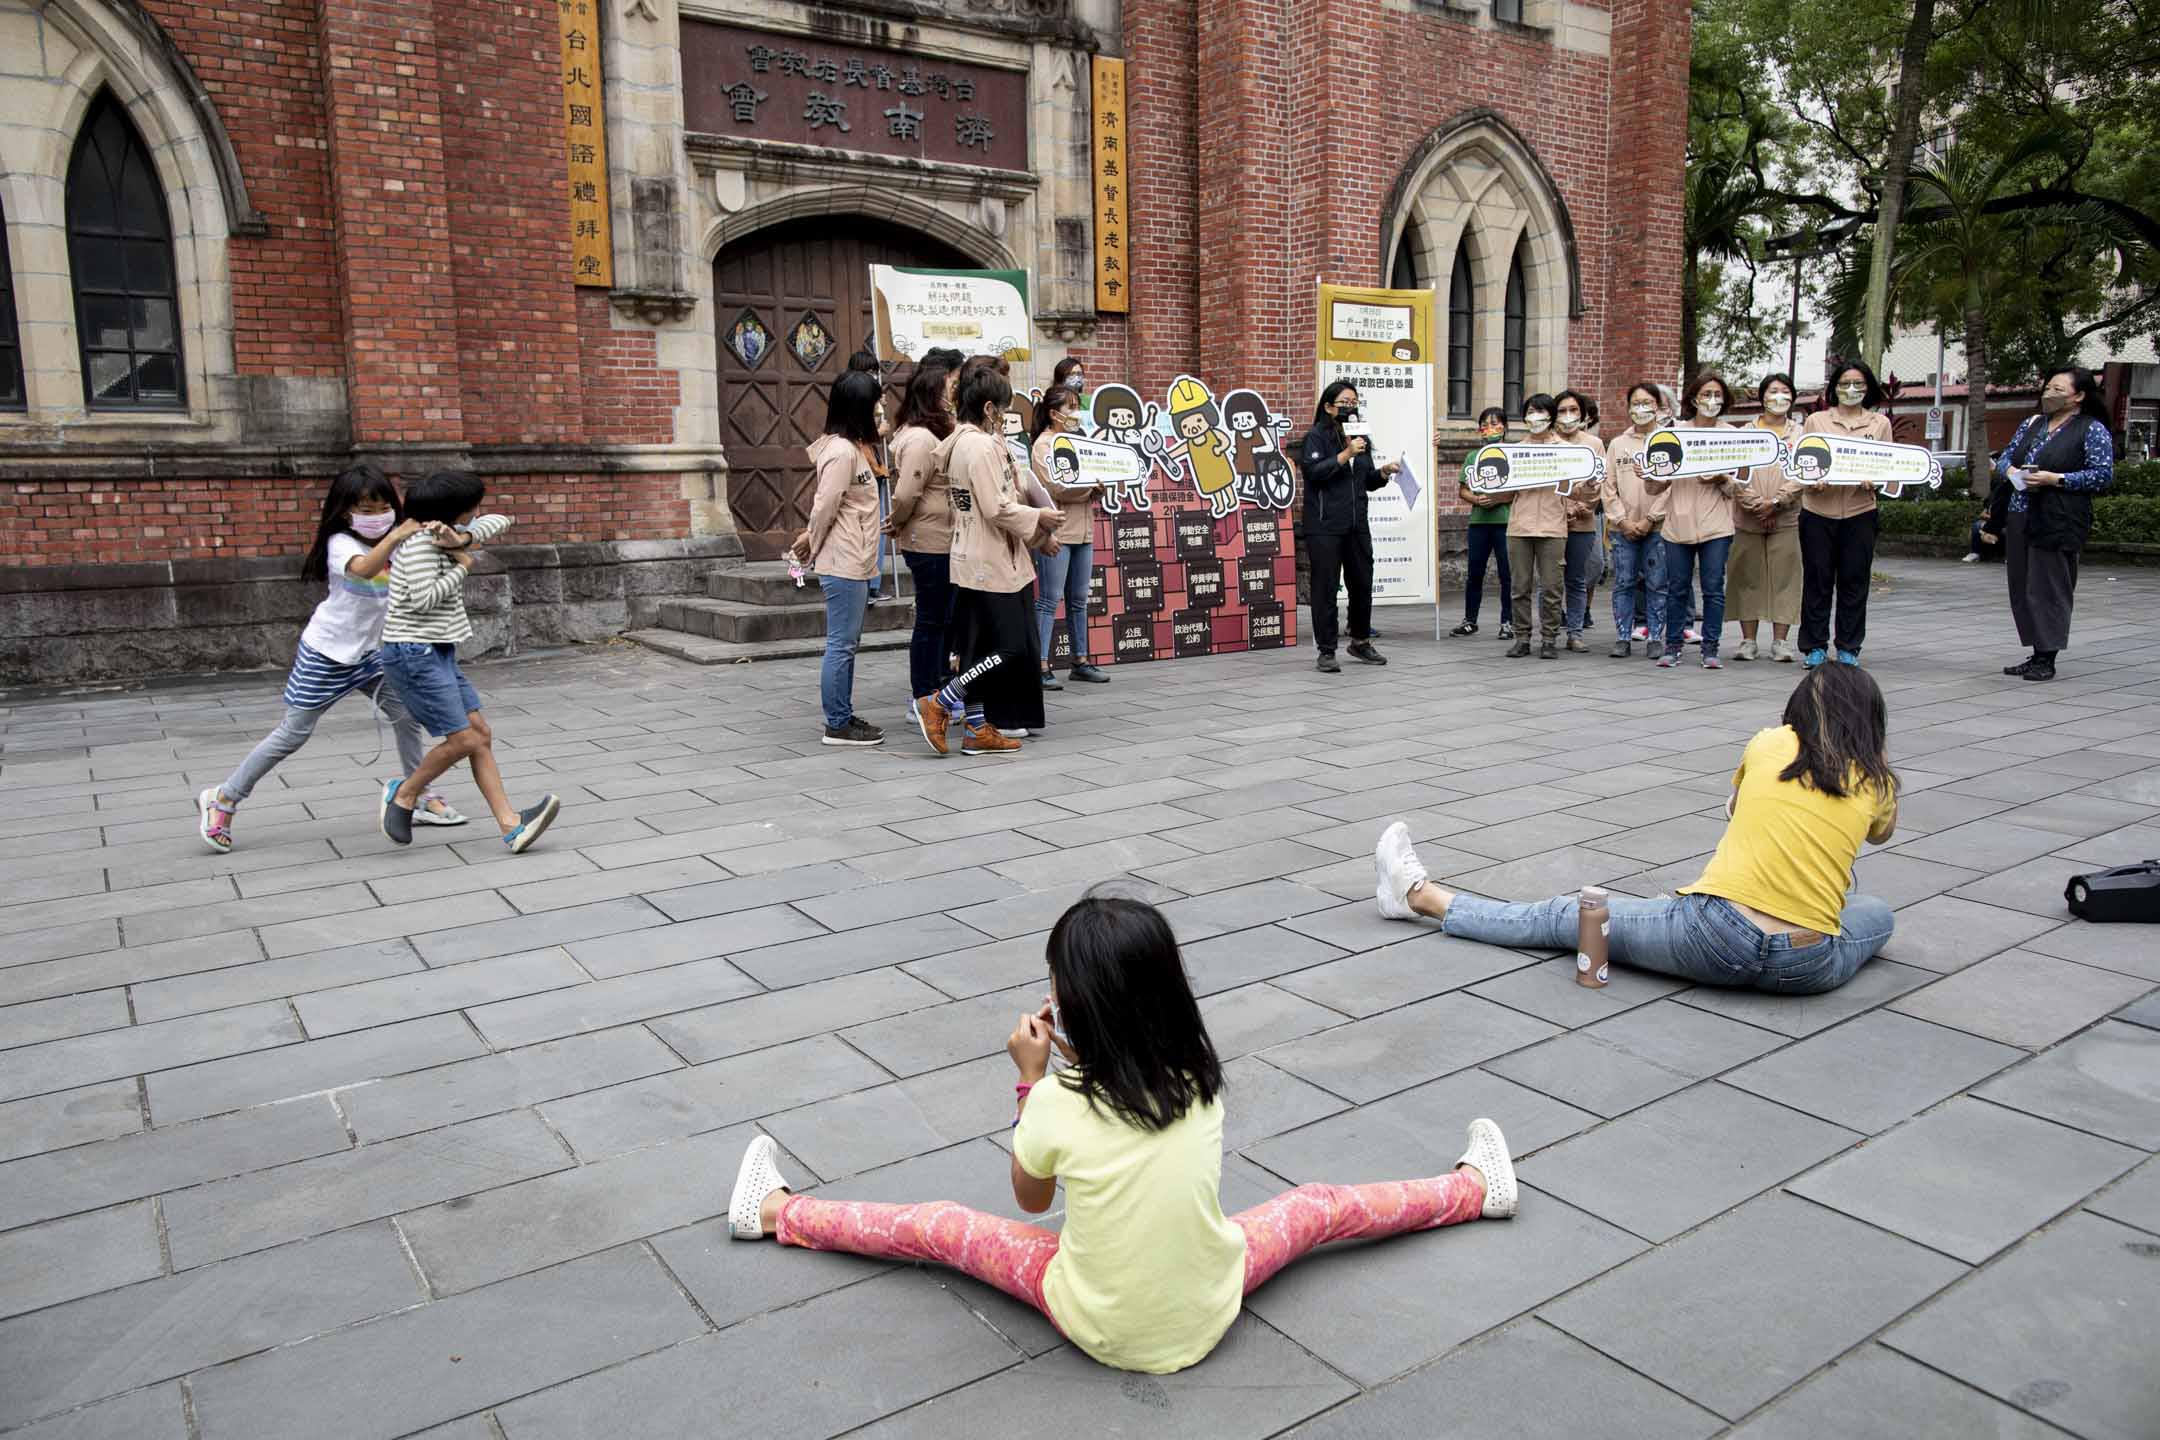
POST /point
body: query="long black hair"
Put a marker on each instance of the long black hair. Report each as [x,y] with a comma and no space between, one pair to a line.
[1129,1011]
[851,409]
[924,403]
[2087,387]
[1046,409]
[1843,725]
[354,484]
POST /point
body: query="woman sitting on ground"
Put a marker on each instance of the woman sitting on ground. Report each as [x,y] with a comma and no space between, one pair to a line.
[1147,1273]
[1772,911]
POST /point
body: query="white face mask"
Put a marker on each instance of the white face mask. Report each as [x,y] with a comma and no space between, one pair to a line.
[1537,420]
[1708,406]
[372,527]
[1076,381]
[1851,394]
[1777,404]
[1569,424]
[1642,414]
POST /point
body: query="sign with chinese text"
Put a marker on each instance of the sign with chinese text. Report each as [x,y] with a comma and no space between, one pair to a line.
[803,88]
[1113,258]
[1680,451]
[1828,459]
[1499,469]
[977,312]
[592,254]
[1381,342]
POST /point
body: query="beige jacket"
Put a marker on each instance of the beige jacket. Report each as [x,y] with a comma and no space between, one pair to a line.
[991,527]
[1842,502]
[921,508]
[1769,480]
[1581,503]
[1623,493]
[1076,504]
[1538,514]
[1697,507]
[843,510]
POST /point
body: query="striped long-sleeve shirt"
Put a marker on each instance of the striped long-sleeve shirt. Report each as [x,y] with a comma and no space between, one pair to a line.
[427,588]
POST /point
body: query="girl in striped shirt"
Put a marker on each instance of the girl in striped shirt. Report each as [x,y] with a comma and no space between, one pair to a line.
[341,648]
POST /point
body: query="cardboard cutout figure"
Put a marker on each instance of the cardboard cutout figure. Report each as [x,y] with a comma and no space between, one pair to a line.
[1680,451]
[1200,442]
[1849,460]
[1122,419]
[1256,437]
[1496,469]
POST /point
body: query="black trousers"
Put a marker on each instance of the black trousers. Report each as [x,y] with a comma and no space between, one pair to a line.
[1835,558]
[2042,585]
[929,647]
[1346,559]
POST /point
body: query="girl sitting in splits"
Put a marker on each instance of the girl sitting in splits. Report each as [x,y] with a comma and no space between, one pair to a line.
[1771,912]
[1148,1273]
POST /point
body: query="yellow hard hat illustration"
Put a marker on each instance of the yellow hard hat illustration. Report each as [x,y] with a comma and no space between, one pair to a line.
[1188,394]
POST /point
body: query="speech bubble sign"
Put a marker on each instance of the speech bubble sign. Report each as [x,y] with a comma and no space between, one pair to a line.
[1498,469]
[1676,452]
[1826,459]
[1078,461]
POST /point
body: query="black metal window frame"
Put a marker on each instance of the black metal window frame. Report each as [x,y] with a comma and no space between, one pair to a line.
[1461,334]
[1514,337]
[1510,11]
[120,257]
[14,385]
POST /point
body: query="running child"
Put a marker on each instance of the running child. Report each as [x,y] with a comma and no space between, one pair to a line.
[420,640]
[1148,1273]
[340,650]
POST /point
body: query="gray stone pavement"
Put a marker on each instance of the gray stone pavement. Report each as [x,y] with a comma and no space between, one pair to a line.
[464,1124]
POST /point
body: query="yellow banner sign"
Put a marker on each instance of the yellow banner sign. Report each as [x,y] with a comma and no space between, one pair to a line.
[592,253]
[1113,272]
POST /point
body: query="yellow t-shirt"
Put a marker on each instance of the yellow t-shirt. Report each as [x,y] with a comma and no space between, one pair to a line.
[1148,1274]
[1789,850]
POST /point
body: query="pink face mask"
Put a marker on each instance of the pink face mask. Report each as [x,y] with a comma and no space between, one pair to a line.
[373,527]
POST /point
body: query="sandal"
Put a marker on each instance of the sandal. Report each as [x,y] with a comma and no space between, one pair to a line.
[759,1176]
[213,821]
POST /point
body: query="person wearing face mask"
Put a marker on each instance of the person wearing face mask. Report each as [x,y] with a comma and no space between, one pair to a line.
[1636,519]
[1066,572]
[1537,542]
[1698,533]
[1339,471]
[1571,421]
[1837,524]
[1765,567]
[1068,374]
[1485,534]
[2063,457]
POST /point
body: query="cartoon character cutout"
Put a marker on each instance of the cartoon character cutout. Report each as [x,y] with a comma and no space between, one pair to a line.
[1811,459]
[1200,442]
[1065,463]
[1122,419]
[1256,439]
[1405,349]
[1660,459]
[1489,469]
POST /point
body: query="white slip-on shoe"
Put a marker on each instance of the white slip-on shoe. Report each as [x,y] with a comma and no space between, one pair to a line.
[1489,1153]
[1396,870]
[760,1176]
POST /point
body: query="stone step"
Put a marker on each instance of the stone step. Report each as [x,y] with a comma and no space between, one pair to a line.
[743,623]
[699,650]
[766,582]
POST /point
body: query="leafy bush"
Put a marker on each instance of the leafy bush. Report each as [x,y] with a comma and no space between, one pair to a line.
[2140,479]
[2117,519]
[2126,520]
[1936,519]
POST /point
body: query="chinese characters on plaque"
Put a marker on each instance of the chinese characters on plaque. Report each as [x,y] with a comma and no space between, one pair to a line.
[1112,169]
[592,255]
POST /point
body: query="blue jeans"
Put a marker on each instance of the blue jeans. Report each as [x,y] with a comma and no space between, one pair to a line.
[1681,562]
[1638,561]
[435,692]
[1690,937]
[1581,565]
[844,603]
[1068,573]
[1482,543]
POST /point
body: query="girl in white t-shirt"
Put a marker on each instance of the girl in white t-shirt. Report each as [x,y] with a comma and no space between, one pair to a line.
[341,649]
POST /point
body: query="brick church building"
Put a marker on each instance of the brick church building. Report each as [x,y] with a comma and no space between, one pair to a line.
[246,244]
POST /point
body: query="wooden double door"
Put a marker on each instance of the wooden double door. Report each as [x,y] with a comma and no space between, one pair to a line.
[792,303]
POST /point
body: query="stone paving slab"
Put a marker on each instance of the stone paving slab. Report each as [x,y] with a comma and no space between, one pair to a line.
[464,1123]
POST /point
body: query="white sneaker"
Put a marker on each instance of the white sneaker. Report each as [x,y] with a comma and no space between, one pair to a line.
[1489,1153]
[760,1176]
[1018,732]
[1782,652]
[1746,651]
[1692,635]
[1397,870]
[1970,559]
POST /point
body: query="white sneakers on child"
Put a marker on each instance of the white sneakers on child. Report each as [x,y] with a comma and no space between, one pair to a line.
[1397,870]
[760,1176]
[1489,1153]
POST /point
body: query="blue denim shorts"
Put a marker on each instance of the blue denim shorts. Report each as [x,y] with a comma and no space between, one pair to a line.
[436,693]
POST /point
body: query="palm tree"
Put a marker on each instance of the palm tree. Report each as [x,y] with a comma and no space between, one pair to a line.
[1724,198]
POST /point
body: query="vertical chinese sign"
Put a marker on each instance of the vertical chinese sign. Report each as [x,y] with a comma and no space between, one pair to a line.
[1381,342]
[1112,166]
[592,254]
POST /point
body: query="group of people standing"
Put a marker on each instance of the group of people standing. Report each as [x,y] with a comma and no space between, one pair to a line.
[993,548]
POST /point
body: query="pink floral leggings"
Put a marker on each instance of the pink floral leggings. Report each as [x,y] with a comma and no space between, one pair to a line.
[1013,1256]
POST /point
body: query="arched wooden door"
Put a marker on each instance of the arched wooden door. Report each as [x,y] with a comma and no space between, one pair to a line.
[792,303]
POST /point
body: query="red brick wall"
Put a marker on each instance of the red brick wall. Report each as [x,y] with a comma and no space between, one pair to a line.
[1160,104]
[1647,161]
[627,396]
[79,522]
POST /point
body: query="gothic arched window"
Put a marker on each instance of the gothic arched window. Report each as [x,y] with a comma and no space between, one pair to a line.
[1461,334]
[120,253]
[1514,337]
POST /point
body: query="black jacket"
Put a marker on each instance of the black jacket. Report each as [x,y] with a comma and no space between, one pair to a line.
[1335,492]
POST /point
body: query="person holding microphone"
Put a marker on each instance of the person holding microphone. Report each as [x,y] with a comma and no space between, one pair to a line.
[1336,459]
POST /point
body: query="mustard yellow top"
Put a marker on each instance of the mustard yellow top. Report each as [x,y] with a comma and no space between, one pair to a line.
[1148,1273]
[1789,850]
